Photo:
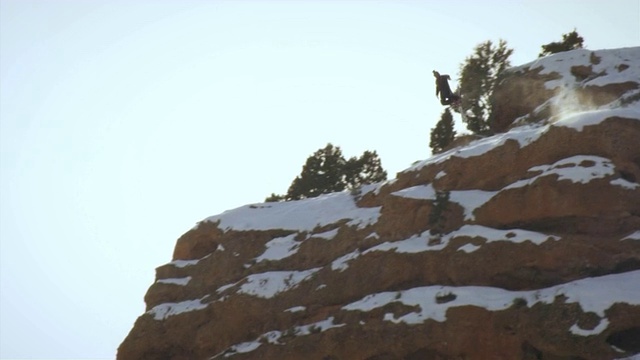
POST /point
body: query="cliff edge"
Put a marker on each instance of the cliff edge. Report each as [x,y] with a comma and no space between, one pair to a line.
[533,252]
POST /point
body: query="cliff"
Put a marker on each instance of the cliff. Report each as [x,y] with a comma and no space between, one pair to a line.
[535,255]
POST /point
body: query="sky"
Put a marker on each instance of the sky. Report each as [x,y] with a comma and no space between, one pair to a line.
[123,123]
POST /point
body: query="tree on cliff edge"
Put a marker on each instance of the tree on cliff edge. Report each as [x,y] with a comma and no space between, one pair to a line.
[478,77]
[443,134]
[570,41]
[327,171]
[321,174]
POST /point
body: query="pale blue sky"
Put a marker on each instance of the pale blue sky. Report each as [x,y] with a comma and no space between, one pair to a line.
[122,123]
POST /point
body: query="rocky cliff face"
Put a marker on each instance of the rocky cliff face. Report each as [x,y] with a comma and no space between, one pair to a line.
[535,254]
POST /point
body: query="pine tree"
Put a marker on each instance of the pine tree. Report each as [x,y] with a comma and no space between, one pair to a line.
[364,170]
[327,171]
[443,134]
[478,77]
[438,216]
[570,41]
[321,174]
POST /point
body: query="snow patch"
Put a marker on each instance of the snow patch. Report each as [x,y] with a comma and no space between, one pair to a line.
[577,330]
[577,169]
[341,262]
[592,294]
[470,200]
[633,236]
[274,337]
[606,69]
[225,287]
[296,309]
[524,135]
[412,245]
[175,281]
[301,215]
[327,235]
[468,248]
[163,311]
[578,120]
[267,285]
[421,242]
[280,248]
[185,263]
[512,235]
[624,184]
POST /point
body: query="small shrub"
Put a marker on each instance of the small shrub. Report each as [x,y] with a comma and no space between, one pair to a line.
[437,217]
[445,298]
[519,302]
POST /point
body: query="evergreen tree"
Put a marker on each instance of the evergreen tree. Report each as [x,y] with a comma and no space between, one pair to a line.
[364,170]
[327,171]
[570,41]
[321,174]
[443,134]
[478,77]
[438,216]
[274,198]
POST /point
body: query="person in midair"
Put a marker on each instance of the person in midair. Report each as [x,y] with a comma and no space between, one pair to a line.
[447,97]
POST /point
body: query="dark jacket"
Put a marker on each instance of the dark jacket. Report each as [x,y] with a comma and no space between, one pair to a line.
[443,89]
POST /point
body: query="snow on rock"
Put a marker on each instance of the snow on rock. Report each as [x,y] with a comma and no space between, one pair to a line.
[421,192]
[578,169]
[633,236]
[268,284]
[606,66]
[470,200]
[578,120]
[469,248]
[274,337]
[419,243]
[301,215]
[592,294]
[624,184]
[341,262]
[511,235]
[577,330]
[422,242]
[280,248]
[175,281]
[185,263]
[296,309]
[327,235]
[632,357]
[319,326]
[415,244]
[524,135]
[527,134]
[163,311]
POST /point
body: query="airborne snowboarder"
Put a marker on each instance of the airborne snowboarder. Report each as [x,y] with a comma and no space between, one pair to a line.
[447,97]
